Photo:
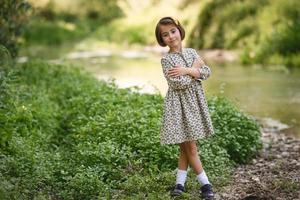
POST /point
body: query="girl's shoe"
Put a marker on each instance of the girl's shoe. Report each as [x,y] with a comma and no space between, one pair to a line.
[177,190]
[207,192]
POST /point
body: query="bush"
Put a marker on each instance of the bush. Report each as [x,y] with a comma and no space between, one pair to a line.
[13,17]
[6,103]
[102,11]
[236,132]
[67,22]
[259,28]
[69,136]
[122,33]
[62,31]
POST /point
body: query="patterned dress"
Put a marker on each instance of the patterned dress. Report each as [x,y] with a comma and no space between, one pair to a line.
[186,116]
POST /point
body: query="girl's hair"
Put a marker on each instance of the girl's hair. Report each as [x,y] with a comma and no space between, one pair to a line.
[167,21]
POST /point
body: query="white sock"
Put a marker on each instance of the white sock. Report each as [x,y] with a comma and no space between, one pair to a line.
[181,177]
[202,178]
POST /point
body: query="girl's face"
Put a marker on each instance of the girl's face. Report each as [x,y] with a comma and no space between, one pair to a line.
[171,36]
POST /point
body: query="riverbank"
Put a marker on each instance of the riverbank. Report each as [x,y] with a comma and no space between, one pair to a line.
[273,174]
[211,55]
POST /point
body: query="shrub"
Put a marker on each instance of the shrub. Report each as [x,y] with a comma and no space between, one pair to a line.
[6,103]
[236,132]
[263,27]
[13,17]
[73,137]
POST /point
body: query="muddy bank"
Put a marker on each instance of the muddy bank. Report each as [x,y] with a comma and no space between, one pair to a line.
[273,175]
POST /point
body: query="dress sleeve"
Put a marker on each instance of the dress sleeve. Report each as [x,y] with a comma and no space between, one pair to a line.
[179,82]
[204,70]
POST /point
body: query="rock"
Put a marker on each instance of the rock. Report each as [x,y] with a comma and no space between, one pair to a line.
[272,165]
[285,154]
[256,178]
[294,162]
[278,156]
[268,176]
[296,148]
[272,125]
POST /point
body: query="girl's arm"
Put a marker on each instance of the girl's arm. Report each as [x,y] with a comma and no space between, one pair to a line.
[198,70]
[198,62]
[180,71]
[176,82]
[203,70]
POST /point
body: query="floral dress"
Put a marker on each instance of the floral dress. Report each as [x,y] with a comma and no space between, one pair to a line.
[185,116]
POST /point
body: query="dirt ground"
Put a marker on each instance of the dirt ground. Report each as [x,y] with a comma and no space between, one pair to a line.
[273,175]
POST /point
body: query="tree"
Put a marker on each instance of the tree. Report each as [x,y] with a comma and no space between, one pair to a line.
[13,17]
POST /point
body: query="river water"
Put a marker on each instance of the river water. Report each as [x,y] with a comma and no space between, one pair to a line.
[265,92]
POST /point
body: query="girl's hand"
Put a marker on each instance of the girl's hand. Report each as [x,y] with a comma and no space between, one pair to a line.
[178,71]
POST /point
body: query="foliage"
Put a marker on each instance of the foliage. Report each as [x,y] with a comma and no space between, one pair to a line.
[119,22]
[225,24]
[37,31]
[236,132]
[65,135]
[13,17]
[116,32]
[69,22]
[102,11]
[260,28]
[283,39]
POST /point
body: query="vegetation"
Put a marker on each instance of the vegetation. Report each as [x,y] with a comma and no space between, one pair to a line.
[65,135]
[132,23]
[63,24]
[13,16]
[68,21]
[265,31]
[262,31]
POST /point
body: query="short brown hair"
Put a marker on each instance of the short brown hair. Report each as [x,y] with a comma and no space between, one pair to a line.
[167,21]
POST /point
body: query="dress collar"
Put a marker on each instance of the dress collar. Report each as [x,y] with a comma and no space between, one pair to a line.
[177,52]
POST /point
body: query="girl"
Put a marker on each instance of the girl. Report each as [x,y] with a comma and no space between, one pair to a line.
[186,118]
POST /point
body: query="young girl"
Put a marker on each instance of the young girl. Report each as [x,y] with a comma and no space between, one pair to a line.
[186,117]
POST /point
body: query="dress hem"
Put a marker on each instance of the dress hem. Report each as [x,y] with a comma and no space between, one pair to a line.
[186,140]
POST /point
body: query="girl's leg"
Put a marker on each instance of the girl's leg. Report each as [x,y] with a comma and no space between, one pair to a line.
[181,172]
[182,166]
[183,159]
[194,161]
[190,147]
